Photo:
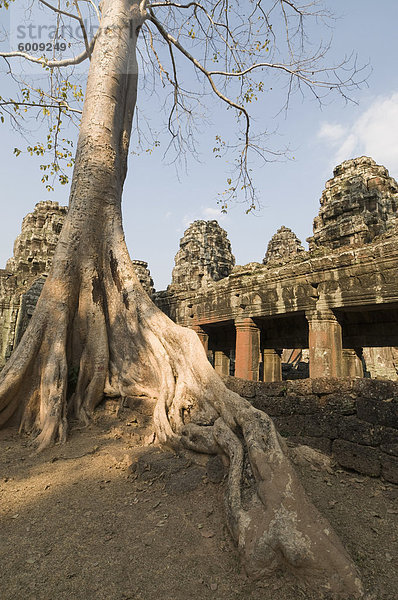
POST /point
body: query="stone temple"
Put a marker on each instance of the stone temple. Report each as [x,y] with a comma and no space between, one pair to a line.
[357,205]
[330,311]
[204,256]
[23,278]
[283,246]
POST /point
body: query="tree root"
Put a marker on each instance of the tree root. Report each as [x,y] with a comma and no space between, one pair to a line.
[122,345]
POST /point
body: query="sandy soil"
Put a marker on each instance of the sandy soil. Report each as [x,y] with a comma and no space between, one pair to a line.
[104,518]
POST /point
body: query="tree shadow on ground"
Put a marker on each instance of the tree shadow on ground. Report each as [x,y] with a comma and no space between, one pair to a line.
[105,518]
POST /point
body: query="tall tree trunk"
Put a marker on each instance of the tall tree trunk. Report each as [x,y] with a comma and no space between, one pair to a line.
[94,317]
[78,310]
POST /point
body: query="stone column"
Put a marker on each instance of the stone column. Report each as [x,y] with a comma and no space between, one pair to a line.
[325,344]
[203,336]
[352,364]
[221,362]
[272,365]
[247,353]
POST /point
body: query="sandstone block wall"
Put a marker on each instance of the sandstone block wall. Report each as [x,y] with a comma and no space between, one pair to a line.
[35,246]
[354,420]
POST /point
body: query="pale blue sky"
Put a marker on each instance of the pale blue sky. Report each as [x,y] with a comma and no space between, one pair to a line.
[158,205]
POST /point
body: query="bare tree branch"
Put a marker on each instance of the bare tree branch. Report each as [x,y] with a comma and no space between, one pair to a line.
[170,39]
[83,28]
[59,11]
[56,106]
[235,48]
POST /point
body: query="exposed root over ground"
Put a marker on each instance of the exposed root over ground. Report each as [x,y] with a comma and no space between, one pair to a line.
[127,347]
[104,517]
[94,319]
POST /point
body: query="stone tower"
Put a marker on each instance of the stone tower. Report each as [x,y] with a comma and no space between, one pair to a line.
[359,203]
[22,281]
[144,275]
[283,247]
[204,256]
[35,246]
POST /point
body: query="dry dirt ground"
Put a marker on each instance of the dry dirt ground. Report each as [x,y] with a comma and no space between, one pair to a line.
[104,518]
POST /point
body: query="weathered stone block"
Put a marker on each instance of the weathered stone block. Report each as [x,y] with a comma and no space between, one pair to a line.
[321,425]
[290,425]
[343,404]
[274,388]
[389,440]
[304,405]
[363,459]
[361,432]
[244,388]
[382,412]
[389,468]
[375,388]
[286,405]
[299,387]
[331,385]
[273,406]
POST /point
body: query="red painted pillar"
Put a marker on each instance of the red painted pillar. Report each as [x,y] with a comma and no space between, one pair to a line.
[325,345]
[247,352]
[203,336]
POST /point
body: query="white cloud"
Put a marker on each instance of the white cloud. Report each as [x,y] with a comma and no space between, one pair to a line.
[374,133]
[331,132]
[347,149]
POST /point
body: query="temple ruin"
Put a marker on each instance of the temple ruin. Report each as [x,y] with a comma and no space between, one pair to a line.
[23,278]
[283,247]
[329,311]
[310,337]
[358,204]
[204,256]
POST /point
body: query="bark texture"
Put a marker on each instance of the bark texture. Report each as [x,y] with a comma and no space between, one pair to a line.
[93,318]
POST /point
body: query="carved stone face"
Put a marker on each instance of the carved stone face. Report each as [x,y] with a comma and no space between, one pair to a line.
[204,256]
[357,205]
